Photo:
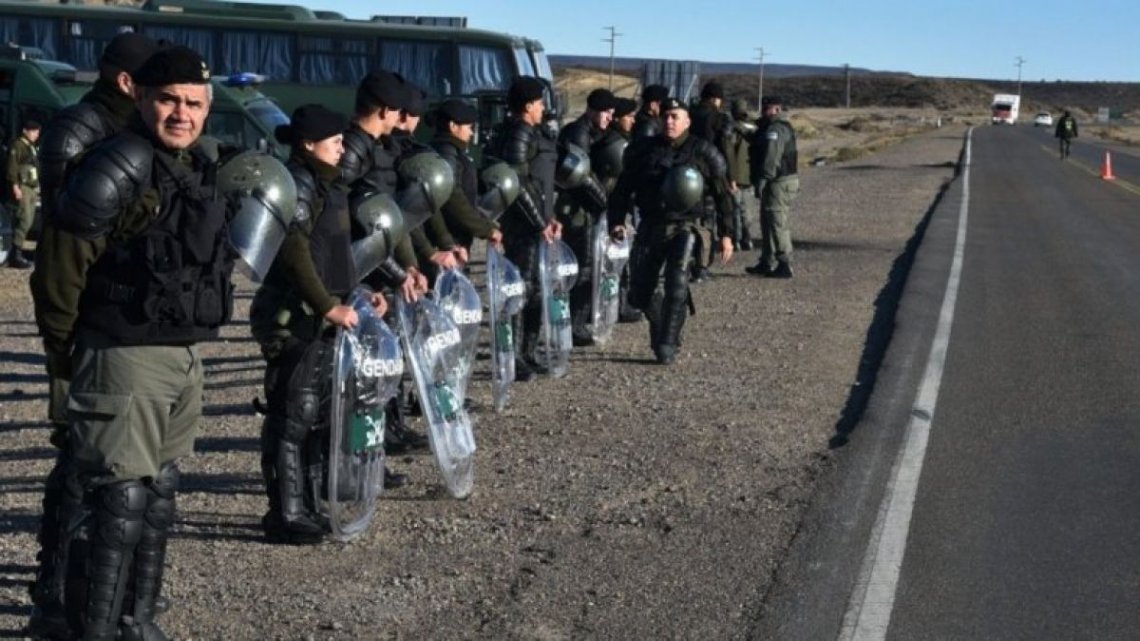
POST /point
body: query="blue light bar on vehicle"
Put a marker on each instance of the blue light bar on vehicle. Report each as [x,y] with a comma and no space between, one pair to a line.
[244,79]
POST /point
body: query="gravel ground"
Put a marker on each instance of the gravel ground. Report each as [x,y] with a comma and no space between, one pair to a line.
[626,500]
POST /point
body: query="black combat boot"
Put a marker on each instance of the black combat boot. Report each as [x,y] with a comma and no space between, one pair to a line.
[48,619]
[398,436]
[288,520]
[17,260]
[394,480]
[759,269]
[783,270]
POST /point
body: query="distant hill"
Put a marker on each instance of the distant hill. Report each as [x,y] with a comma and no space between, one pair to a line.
[633,65]
[818,86]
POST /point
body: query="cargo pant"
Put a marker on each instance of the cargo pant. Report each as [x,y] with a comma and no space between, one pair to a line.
[775,205]
[133,408]
[25,215]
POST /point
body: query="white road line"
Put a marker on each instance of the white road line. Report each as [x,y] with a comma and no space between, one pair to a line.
[869,609]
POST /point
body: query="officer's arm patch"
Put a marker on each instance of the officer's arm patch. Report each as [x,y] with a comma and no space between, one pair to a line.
[772,135]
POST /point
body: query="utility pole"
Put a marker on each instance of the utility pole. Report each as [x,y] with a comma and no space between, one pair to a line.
[760,89]
[612,39]
[847,76]
[1020,61]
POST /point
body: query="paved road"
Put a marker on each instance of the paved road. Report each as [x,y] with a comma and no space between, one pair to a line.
[1026,520]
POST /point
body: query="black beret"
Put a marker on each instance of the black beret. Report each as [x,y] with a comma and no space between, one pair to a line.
[128,51]
[32,125]
[771,100]
[669,104]
[415,99]
[713,89]
[601,100]
[385,88]
[311,122]
[525,89]
[654,93]
[457,111]
[176,65]
[624,107]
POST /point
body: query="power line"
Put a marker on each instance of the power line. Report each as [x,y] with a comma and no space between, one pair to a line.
[760,90]
[1020,61]
[612,39]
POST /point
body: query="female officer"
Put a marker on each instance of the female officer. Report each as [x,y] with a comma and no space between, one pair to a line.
[302,296]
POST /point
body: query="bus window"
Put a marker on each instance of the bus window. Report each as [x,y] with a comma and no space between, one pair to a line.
[484,69]
[261,52]
[522,60]
[88,38]
[542,65]
[38,32]
[332,61]
[200,40]
[427,64]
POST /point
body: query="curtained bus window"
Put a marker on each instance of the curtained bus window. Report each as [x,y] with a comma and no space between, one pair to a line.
[269,54]
[484,69]
[427,64]
[332,61]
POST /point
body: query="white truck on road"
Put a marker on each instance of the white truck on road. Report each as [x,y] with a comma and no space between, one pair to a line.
[1005,108]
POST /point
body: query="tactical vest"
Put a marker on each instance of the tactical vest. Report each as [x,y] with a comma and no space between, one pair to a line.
[170,283]
[789,162]
[330,243]
[656,164]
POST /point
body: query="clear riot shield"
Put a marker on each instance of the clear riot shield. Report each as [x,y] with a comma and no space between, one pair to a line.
[367,366]
[557,272]
[433,347]
[455,293]
[506,295]
[610,257]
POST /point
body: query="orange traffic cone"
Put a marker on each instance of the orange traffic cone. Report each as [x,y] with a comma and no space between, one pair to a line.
[1106,167]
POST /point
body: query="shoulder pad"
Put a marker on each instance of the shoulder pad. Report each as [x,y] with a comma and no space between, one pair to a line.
[70,133]
[306,191]
[713,159]
[109,177]
[354,161]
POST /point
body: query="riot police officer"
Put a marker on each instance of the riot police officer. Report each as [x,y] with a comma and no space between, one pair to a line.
[301,298]
[606,160]
[711,123]
[666,177]
[523,143]
[648,121]
[24,181]
[454,121]
[102,112]
[142,275]
[578,206]
[775,178]
[738,153]
[368,166]
[434,245]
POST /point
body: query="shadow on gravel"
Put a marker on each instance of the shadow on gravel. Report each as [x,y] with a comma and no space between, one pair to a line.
[251,382]
[24,425]
[221,483]
[20,522]
[948,164]
[216,361]
[229,409]
[22,485]
[23,378]
[19,395]
[24,358]
[213,526]
[227,444]
[29,454]
[880,330]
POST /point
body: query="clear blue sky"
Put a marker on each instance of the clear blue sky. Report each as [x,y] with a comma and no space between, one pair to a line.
[960,38]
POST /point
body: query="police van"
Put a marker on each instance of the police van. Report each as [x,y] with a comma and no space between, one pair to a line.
[32,88]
